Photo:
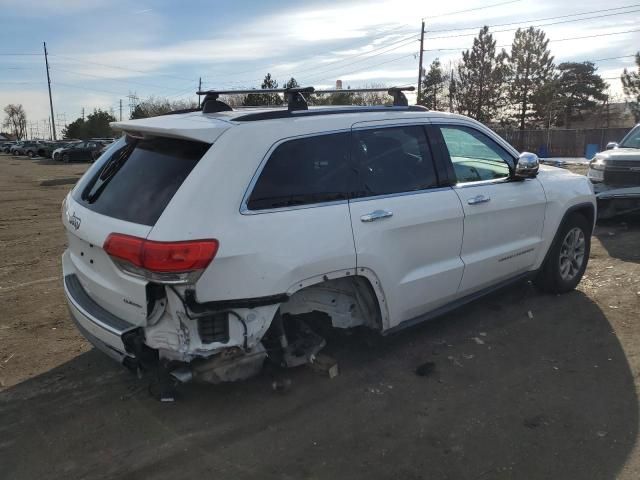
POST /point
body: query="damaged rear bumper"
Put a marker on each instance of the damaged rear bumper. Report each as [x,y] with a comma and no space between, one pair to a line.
[126,344]
[100,327]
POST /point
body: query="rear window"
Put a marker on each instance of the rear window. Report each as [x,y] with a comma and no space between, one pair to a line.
[137,178]
[305,171]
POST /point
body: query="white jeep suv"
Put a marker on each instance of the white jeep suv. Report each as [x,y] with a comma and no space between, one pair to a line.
[210,240]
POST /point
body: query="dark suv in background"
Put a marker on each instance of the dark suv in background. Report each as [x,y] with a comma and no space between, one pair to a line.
[79,152]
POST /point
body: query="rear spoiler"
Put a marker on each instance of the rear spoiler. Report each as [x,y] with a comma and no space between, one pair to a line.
[188,127]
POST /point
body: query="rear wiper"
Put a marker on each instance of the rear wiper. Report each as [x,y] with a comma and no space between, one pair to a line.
[108,172]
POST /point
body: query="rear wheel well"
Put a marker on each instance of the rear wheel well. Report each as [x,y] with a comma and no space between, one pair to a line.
[349,302]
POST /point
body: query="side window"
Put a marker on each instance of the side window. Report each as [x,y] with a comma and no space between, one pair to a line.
[304,171]
[474,155]
[392,160]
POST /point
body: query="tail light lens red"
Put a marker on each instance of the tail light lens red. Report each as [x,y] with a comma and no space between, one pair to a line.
[168,262]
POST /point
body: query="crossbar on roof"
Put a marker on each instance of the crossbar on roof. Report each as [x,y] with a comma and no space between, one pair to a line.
[294,96]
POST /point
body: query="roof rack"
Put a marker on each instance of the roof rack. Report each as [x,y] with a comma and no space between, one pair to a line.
[295,96]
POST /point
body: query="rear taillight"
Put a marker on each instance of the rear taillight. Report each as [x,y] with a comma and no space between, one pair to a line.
[164,262]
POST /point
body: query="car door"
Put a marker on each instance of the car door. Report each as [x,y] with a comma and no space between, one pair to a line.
[503,218]
[407,227]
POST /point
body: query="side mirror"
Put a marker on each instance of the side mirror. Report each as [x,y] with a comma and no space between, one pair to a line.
[611,145]
[527,165]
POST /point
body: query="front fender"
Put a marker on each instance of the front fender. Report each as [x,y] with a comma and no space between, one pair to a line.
[566,193]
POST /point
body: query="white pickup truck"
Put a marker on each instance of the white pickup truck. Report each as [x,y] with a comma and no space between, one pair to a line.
[615,174]
[208,241]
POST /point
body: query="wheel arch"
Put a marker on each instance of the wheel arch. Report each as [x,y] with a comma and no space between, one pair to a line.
[366,291]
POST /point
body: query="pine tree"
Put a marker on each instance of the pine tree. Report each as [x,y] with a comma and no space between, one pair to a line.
[631,87]
[530,69]
[291,83]
[433,86]
[481,78]
[262,99]
[578,89]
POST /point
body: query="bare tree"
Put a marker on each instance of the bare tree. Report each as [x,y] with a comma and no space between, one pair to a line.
[16,120]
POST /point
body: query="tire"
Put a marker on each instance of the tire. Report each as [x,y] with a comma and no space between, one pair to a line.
[65,158]
[56,156]
[567,260]
[30,154]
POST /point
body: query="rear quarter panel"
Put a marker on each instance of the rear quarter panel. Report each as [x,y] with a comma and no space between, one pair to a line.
[260,254]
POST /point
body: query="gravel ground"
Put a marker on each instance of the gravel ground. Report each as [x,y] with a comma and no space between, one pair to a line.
[517,385]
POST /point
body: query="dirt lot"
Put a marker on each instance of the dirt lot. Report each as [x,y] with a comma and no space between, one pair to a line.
[547,395]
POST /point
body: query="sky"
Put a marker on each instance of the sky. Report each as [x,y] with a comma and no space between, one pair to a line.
[103,51]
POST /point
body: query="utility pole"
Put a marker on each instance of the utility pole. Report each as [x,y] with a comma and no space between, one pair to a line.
[120,109]
[46,62]
[420,63]
[83,114]
[451,80]
[199,90]
[133,102]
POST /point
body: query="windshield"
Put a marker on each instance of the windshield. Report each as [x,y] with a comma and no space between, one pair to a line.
[632,140]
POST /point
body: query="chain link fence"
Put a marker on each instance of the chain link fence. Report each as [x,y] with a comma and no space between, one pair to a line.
[561,142]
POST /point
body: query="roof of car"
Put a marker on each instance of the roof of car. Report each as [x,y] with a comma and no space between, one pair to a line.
[207,127]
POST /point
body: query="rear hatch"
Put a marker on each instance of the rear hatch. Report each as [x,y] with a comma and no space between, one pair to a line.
[124,192]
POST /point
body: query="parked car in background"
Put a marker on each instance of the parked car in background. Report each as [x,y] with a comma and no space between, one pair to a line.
[16,148]
[31,149]
[78,152]
[186,247]
[615,174]
[46,150]
[6,146]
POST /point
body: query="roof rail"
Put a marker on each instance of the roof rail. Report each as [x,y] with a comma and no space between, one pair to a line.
[294,96]
[281,113]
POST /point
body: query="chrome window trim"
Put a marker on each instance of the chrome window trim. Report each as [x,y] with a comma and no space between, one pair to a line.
[399,194]
[245,211]
[401,122]
[481,183]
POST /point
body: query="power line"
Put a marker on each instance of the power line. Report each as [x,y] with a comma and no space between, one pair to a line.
[324,70]
[270,66]
[552,40]
[87,88]
[612,58]
[534,20]
[536,26]
[484,7]
[121,68]
[367,67]
[114,79]
[405,40]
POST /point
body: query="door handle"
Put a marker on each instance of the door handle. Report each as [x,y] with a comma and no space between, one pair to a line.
[478,199]
[376,215]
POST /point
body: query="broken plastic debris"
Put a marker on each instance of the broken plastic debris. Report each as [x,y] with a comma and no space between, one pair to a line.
[324,364]
[530,315]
